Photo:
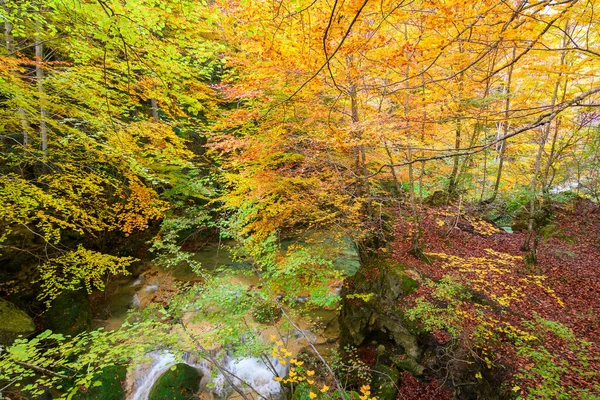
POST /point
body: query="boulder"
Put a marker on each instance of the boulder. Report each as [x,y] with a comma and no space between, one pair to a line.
[70,313]
[15,322]
[408,364]
[438,198]
[180,382]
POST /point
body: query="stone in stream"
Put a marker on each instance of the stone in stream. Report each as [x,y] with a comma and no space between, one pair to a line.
[15,322]
[180,382]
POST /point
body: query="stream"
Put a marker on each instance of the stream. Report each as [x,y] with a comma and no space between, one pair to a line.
[131,292]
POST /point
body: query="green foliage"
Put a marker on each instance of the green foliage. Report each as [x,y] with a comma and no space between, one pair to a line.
[107,384]
[443,314]
[76,363]
[79,268]
[548,368]
[111,167]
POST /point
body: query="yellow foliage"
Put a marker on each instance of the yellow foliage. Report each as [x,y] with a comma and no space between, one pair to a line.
[79,268]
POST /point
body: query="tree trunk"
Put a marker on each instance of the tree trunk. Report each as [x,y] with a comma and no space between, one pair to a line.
[154,106]
[10,49]
[505,126]
[416,239]
[39,74]
[454,176]
[531,229]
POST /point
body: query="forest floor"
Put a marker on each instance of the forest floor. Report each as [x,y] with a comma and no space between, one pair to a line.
[509,322]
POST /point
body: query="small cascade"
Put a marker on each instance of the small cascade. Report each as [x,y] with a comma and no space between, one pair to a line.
[162,361]
[252,372]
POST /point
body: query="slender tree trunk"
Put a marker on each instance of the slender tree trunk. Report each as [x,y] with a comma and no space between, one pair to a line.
[453,181]
[531,229]
[545,180]
[392,168]
[39,74]
[416,239]
[505,126]
[10,49]
[154,106]
[422,173]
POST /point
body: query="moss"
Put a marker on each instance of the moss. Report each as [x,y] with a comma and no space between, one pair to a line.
[409,365]
[408,284]
[438,198]
[70,313]
[180,382]
[385,382]
[112,379]
[15,322]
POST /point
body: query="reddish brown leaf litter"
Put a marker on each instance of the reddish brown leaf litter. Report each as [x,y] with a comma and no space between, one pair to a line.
[413,389]
[564,285]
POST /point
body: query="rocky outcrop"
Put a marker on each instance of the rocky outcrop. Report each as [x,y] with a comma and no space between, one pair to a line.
[370,309]
[15,322]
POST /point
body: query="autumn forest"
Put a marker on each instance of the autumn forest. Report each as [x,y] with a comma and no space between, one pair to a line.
[299,199]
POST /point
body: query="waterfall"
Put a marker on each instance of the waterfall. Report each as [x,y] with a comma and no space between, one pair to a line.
[250,370]
[162,361]
[253,372]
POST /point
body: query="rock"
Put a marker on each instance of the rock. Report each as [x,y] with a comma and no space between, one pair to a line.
[409,365]
[438,198]
[15,322]
[70,313]
[541,218]
[180,382]
[385,382]
[369,306]
[112,379]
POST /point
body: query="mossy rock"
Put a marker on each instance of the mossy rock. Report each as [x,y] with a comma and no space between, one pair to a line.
[110,385]
[266,313]
[180,382]
[385,382]
[70,313]
[409,365]
[15,322]
[438,198]
[384,284]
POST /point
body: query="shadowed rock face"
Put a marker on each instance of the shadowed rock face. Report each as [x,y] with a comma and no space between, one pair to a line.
[369,307]
[70,313]
[15,322]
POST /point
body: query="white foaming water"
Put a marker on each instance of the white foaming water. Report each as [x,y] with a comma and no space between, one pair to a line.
[250,371]
[162,361]
[253,372]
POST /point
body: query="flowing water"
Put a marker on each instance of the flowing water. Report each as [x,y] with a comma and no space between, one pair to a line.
[129,293]
[252,373]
